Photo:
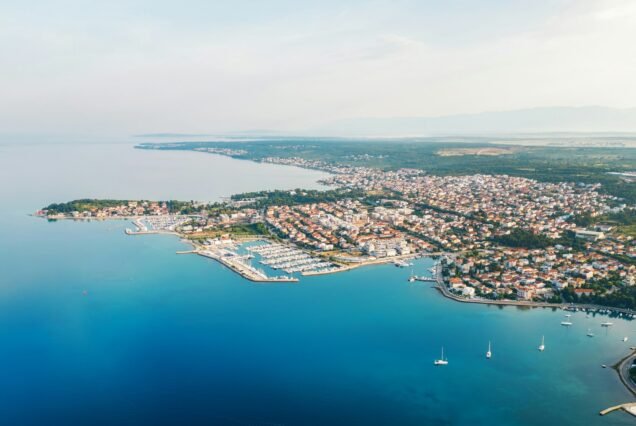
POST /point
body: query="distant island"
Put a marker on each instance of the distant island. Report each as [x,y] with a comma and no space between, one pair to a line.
[500,238]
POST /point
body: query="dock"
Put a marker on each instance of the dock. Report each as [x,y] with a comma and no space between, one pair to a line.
[291,259]
[424,279]
[236,264]
[629,407]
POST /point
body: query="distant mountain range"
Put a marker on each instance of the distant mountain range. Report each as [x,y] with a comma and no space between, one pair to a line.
[536,120]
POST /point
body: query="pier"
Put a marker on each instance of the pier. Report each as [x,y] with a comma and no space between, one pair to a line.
[629,407]
[236,263]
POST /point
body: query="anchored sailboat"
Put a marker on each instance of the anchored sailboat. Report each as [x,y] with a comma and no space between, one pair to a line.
[489,353]
[442,360]
[589,333]
[542,345]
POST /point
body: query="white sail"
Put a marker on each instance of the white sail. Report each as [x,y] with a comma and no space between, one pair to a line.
[441,361]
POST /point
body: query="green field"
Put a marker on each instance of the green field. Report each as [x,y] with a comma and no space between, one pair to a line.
[554,164]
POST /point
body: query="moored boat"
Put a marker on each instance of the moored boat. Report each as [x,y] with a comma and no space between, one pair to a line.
[442,360]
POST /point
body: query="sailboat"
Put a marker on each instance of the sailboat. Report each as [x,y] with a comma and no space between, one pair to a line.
[412,277]
[589,333]
[489,353]
[566,323]
[442,360]
[542,345]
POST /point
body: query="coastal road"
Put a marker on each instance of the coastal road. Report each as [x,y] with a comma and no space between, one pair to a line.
[623,368]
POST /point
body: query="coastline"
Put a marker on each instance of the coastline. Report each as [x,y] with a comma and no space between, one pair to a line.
[443,289]
[622,368]
[440,286]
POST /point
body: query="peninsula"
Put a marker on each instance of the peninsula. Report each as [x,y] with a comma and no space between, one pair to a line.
[501,238]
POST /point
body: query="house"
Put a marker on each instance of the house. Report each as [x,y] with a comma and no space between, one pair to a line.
[581,291]
[468,292]
[589,235]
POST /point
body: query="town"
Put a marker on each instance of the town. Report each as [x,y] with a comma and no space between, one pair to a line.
[498,237]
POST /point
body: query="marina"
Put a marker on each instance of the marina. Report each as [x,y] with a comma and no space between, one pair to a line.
[156,224]
[226,253]
[290,259]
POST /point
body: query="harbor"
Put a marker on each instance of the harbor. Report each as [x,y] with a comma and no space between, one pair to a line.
[290,259]
[241,264]
[165,224]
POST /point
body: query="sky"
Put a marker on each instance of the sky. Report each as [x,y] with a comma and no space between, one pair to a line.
[113,68]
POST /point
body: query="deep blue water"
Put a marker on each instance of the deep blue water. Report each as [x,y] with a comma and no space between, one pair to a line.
[174,339]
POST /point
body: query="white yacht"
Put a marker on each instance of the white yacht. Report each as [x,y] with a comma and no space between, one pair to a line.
[442,360]
[412,277]
[607,324]
[542,345]
[589,333]
[625,339]
[489,353]
[566,323]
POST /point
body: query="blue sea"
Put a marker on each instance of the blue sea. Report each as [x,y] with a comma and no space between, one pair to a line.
[100,328]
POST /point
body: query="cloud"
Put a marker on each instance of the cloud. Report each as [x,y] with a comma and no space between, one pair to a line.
[123,71]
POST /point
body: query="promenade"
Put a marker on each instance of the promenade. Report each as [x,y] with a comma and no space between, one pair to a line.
[446,293]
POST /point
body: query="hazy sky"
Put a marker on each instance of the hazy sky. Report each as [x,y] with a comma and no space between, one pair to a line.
[124,67]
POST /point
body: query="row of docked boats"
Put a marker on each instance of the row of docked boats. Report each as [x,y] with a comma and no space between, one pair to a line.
[602,311]
[289,259]
[590,333]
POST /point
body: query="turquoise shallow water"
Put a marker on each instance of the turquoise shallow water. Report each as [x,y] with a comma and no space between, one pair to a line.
[162,338]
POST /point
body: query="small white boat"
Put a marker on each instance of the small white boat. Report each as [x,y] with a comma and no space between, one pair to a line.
[542,345]
[489,353]
[566,323]
[442,360]
[625,339]
[412,277]
[607,324]
[589,333]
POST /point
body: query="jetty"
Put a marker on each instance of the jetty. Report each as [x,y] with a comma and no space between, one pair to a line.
[237,264]
[629,407]
[424,279]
